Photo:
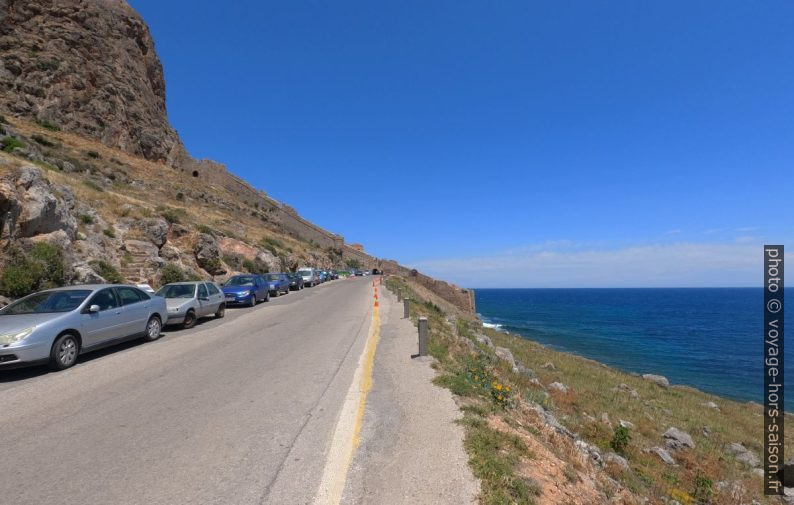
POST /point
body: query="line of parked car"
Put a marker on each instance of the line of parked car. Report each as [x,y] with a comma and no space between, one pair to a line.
[57,325]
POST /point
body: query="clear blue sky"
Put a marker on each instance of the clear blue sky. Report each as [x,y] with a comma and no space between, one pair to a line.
[510,143]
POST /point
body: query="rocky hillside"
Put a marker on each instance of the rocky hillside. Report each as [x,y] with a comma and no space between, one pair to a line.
[95,184]
[88,67]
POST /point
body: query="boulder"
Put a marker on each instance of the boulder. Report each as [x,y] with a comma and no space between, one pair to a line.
[605,419]
[505,355]
[558,386]
[590,450]
[660,380]
[525,372]
[40,210]
[744,455]
[156,230]
[272,261]
[170,252]
[4,301]
[550,420]
[549,366]
[208,254]
[678,440]
[711,405]
[663,455]
[624,388]
[484,341]
[84,274]
[616,459]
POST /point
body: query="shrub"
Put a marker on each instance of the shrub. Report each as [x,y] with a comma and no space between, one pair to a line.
[203,228]
[107,271]
[93,185]
[86,219]
[41,268]
[93,154]
[620,440]
[3,119]
[11,143]
[172,273]
[353,263]
[256,266]
[180,196]
[46,124]
[234,260]
[109,232]
[42,140]
[172,215]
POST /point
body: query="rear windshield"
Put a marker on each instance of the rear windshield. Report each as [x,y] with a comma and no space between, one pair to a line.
[177,291]
[47,301]
[273,277]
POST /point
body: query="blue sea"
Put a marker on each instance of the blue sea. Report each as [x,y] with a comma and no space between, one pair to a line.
[708,338]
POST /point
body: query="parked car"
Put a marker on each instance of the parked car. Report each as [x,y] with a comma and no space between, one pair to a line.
[278,283]
[246,290]
[309,276]
[323,276]
[145,287]
[357,272]
[57,325]
[187,302]
[295,281]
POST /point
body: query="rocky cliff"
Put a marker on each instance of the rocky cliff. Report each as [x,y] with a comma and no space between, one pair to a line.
[88,67]
[90,164]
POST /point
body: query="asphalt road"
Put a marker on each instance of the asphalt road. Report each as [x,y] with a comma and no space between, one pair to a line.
[235,411]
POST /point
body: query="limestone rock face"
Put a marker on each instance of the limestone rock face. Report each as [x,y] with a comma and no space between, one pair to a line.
[30,205]
[88,67]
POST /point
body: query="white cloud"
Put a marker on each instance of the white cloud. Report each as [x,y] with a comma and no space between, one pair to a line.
[564,264]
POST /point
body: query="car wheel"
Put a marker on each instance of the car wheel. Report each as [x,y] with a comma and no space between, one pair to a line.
[190,320]
[267,296]
[153,328]
[221,311]
[64,352]
[252,301]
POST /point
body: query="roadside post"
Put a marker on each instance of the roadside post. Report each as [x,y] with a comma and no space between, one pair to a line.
[399,295]
[406,308]
[422,336]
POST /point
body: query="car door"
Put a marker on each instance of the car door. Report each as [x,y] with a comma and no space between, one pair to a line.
[99,327]
[262,287]
[203,301]
[216,298]
[134,310]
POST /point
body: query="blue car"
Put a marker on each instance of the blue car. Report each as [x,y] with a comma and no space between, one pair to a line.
[277,283]
[246,290]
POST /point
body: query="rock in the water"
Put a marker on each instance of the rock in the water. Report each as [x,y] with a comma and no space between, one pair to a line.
[616,459]
[678,440]
[558,386]
[663,455]
[505,355]
[661,380]
[743,455]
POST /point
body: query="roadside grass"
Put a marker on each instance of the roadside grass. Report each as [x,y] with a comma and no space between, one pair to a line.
[707,474]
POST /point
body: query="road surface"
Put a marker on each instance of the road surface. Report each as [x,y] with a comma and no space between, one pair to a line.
[235,411]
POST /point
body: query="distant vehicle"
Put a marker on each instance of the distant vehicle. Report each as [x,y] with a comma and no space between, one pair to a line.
[246,290]
[333,274]
[145,287]
[187,302]
[323,276]
[57,325]
[277,283]
[309,276]
[357,272]
[295,281]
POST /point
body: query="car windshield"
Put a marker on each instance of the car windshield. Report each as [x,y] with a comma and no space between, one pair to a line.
[304,272]
[273,277]
[177,291]
[240,281]
[47,301]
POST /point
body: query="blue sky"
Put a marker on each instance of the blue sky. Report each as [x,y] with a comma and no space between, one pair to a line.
[510,143]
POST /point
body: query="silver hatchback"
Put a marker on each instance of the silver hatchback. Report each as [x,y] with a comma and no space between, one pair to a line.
[189,301]
[57,325]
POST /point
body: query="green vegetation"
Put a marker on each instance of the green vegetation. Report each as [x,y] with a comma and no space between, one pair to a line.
[256,266]
[109,232]
[3,119]
[50,64]
[11,143]
[353,264]
[107,271]
[174,273]
[86,219]
[171,214]
[471,370]
[93,185]
[275,246]
[93,154]
[203,228]
[42,140]
[26,272]
[47,125]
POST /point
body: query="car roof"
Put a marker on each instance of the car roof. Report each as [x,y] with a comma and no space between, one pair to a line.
[92,287]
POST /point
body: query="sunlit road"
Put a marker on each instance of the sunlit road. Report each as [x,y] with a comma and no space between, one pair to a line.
[234,411]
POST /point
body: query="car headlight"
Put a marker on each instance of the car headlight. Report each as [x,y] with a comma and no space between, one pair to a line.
[244,293]
[16,336]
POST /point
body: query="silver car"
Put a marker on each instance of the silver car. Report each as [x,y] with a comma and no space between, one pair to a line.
[310,277]
[57,325]
[189,301]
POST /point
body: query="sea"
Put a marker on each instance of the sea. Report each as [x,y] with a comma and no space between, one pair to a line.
[707,338]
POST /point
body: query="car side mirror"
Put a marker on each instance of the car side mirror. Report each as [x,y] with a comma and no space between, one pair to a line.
[93,309]
[204,298]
